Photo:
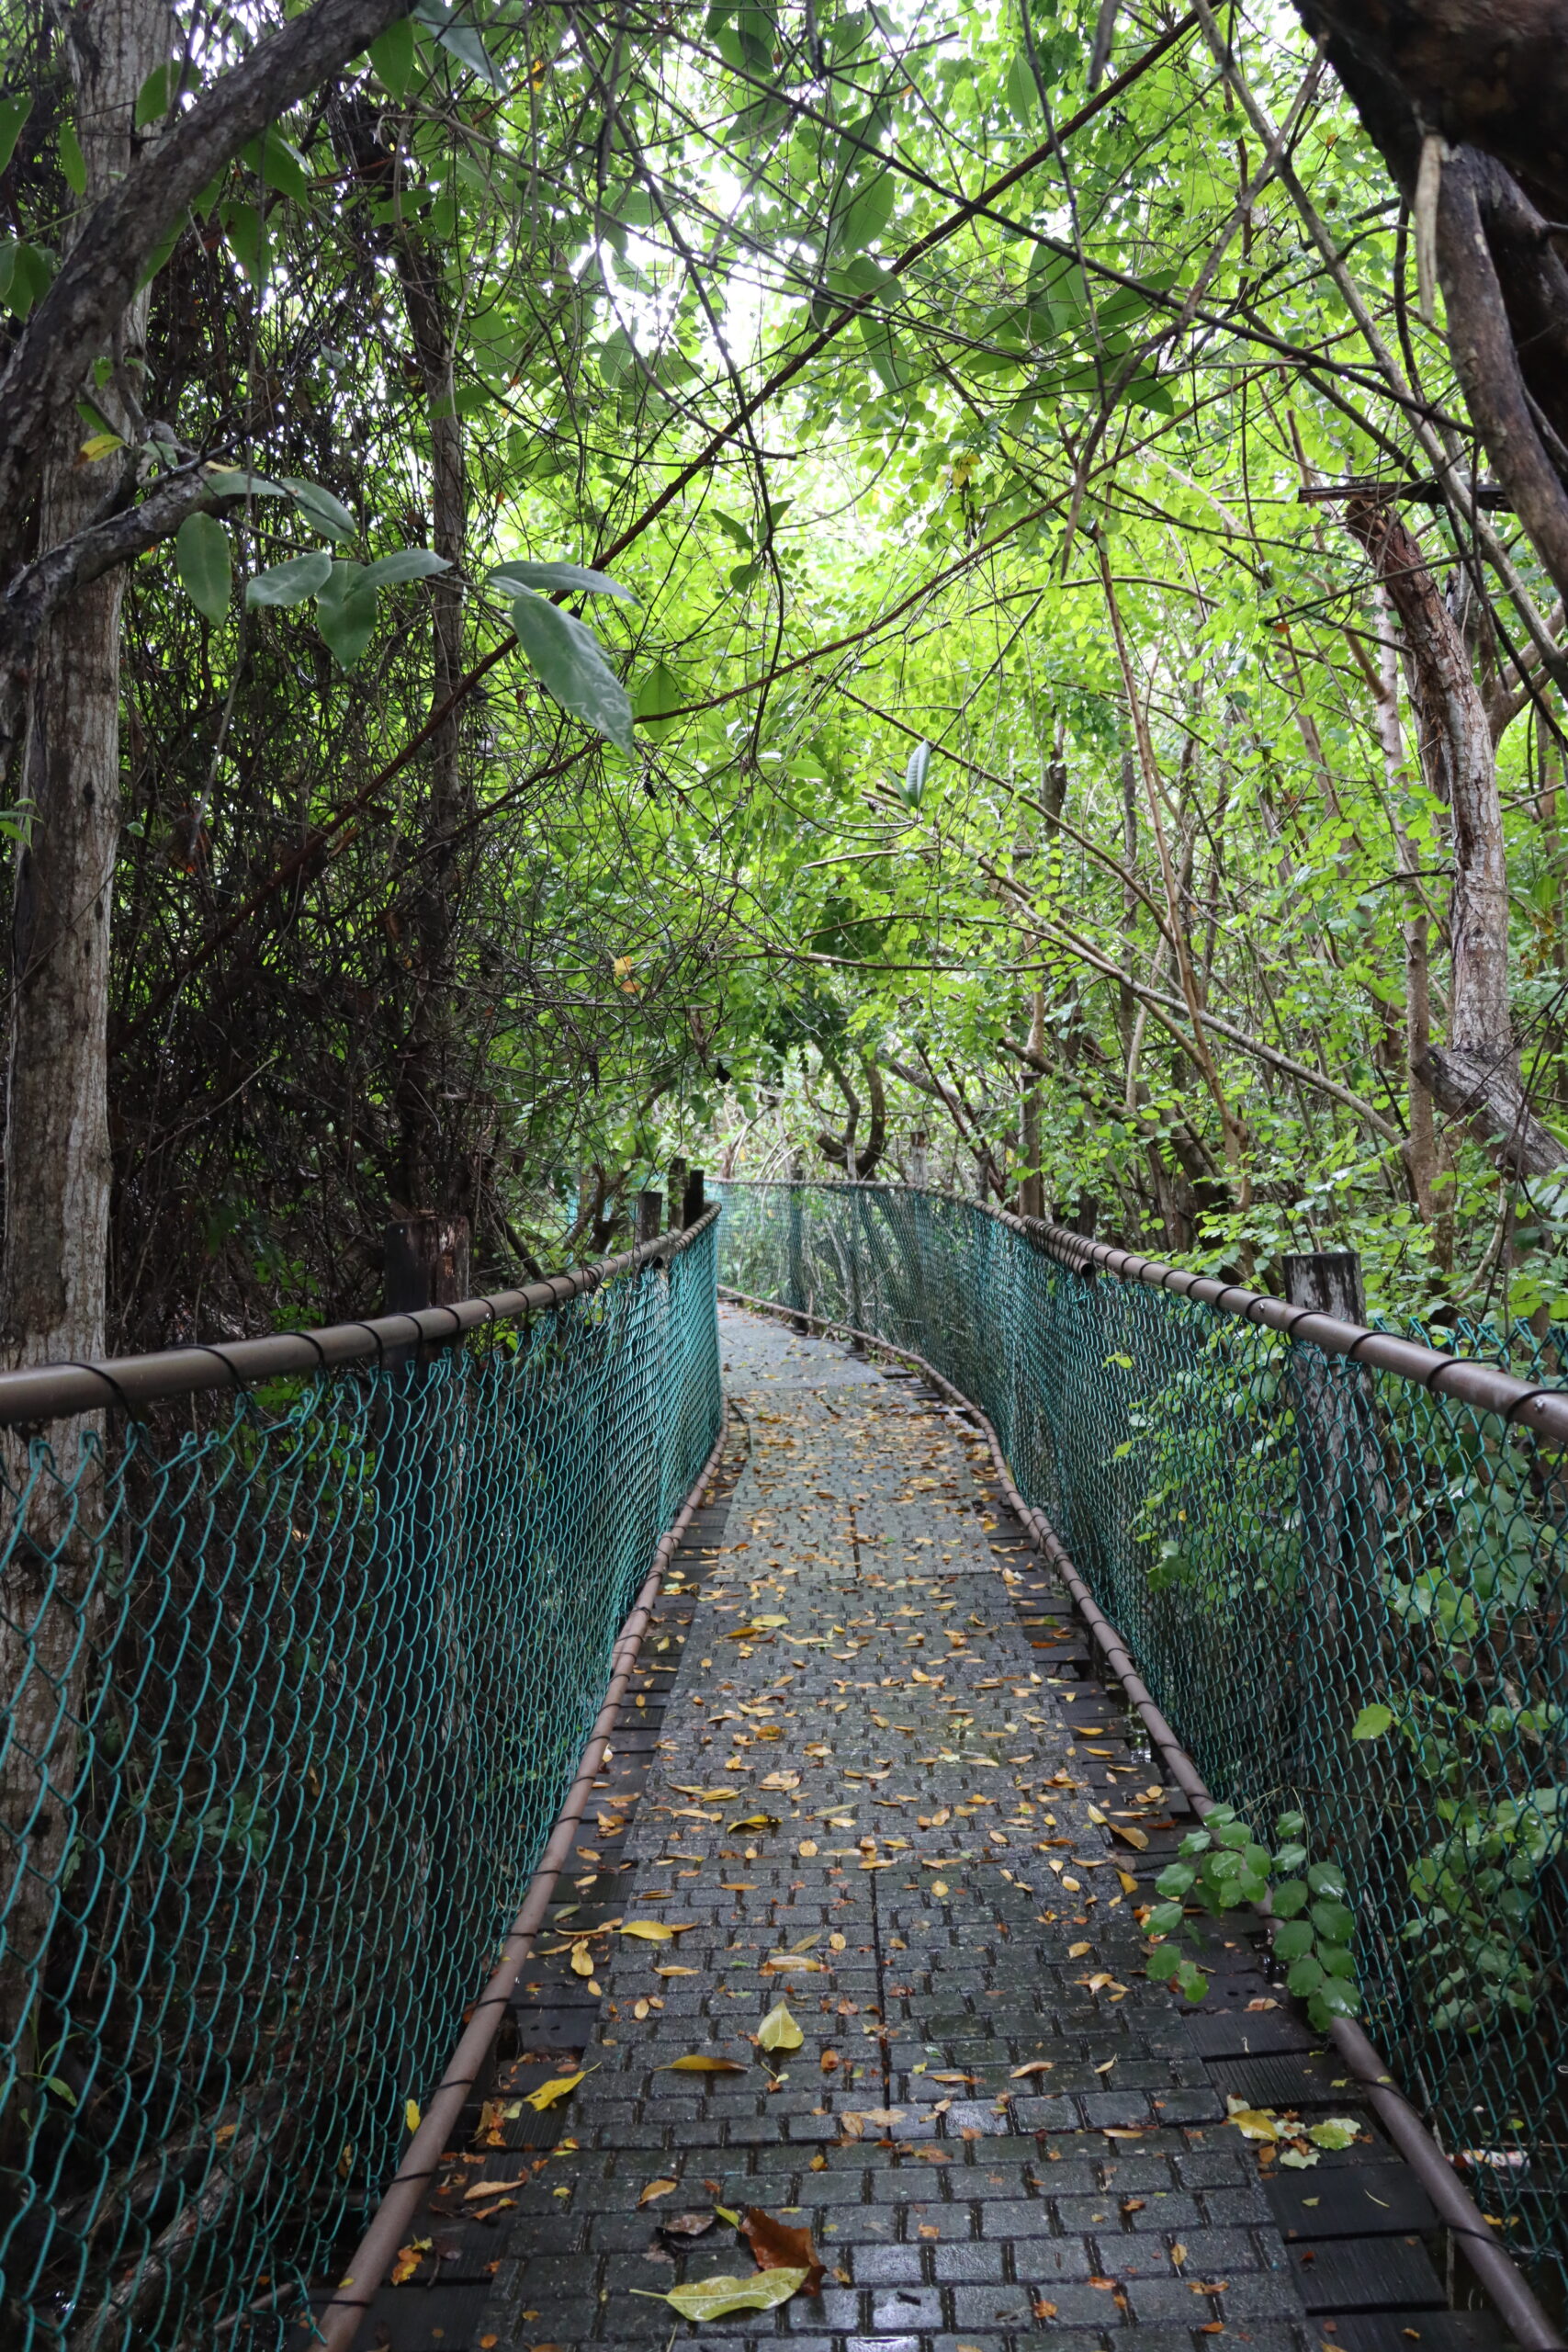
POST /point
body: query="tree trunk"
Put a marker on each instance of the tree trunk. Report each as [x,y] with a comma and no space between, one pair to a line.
[53,1273]
[1424,1156]
[430,1176]
[1476,1075]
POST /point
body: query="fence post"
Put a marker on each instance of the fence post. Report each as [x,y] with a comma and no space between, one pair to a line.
[675,1186]
[1341,1481]
[650,1214]
[691,1197]
[794,1267]
[425,1263]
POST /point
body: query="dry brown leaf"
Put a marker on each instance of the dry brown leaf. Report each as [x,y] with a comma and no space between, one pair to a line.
[1036,2066]
[775,2246]
[655,2189]
[689,2225]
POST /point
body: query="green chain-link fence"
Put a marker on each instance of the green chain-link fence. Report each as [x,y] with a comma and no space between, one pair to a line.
[1346,1592]
[297,1679]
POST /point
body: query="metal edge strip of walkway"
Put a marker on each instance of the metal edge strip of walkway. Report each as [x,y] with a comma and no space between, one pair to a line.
[1500,2277]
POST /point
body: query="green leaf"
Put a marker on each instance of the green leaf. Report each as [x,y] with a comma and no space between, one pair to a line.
[1327,1878]
[1022,93]
[326,514]
[1306,1975]
[244,232]
[710,2298]
[62,2089]
[461,41]
[1163,1964]
[404,564]
[1334,1923]
[202,560]
[290,582]
[547,578]
[1289,1899]
[393,56]
[913,789]
[1176,1879]
[1292,1940]
[567,658]
[346,612]
[278,164]
[14,113]
[779,2030]
[26,272]
[660,694]
[1334,2131]
[233,482]
[1372,1722]
[73,163]
[1164,1919]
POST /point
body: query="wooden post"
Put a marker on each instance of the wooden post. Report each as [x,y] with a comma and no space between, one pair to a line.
[692,1201]
[675,1186]
[425,1263]
[650,1214]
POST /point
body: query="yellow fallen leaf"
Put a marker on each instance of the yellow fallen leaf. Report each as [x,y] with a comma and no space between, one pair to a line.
[779,2030]
[581,1961]
[657,2188]
[482,2188]
[1131,1837]
[410,2114]
[407,2259]
[1128,1883]
[673,1971]
[697,2062]
[1036,2066]
[548,2093]
[1252,2122]
[651,1931]
[1077,1952]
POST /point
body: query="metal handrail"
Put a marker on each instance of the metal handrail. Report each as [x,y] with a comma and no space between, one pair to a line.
[1544,1411]
[52,1392]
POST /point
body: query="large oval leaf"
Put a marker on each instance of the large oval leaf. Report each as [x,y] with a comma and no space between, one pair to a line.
[346,612]
[291,583]
[707,2298]
[201,557]
[548,578]
[405,563]
[568,659]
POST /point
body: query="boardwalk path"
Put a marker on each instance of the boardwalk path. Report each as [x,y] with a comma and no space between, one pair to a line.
[936,1858]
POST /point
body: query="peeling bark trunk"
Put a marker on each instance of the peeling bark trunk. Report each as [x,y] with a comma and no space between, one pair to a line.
[52,1268]
[1476,1076]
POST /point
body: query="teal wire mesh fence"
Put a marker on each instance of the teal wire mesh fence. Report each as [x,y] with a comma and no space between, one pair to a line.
[1347,1593]
[298,1679]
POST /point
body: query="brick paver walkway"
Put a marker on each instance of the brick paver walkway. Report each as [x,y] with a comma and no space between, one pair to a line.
[952,1913]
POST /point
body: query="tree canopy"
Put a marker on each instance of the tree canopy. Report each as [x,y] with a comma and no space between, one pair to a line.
[836,590]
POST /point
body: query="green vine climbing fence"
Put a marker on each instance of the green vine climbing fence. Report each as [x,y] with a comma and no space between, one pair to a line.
[1345,1589]
[296,1679]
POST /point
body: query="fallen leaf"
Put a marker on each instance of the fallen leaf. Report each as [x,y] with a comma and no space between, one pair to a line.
[698,2062]
[1334,2131]
[1036,2066]
[408,2260]
[655,2189]
[410,2114]
[1129,1836]
[965,2078]
[690,2226]
[778,2247]
[881,2115]
[707,2298]
[581,1961]
[493,2188]
[1128,1883]
[557,2088]
[1252,2122]
[1077,1952]
[753,1821]
[673,1971]
[780,1780]
[652,1932]
[779,2030]
[1178,2254]
[835,1942]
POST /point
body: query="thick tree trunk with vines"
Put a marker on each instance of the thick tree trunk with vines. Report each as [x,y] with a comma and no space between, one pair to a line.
[1476,1076]
[53,1271]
